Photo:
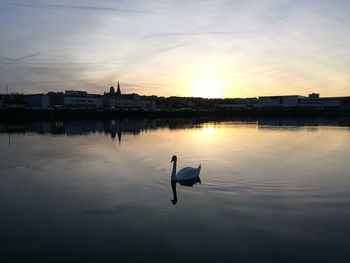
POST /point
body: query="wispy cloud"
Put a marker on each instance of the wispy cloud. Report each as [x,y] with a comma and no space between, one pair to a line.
[175,34]
[166,49]
[83,8]
[10,60]
[144,87]
[30,56]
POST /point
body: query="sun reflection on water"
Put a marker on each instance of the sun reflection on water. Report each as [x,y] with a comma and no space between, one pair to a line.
[208,131]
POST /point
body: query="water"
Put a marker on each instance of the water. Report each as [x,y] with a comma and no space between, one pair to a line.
[100,191]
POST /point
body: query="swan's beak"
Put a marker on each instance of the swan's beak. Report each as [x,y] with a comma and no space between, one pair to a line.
[172,160]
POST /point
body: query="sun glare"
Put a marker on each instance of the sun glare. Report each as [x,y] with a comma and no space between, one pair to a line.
[207,134]
[208,131]
[207,89]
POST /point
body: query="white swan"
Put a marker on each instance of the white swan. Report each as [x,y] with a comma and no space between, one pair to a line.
[187,173]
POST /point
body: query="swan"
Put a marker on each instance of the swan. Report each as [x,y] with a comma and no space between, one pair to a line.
[187,173]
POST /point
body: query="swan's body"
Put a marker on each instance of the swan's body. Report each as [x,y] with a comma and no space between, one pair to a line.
[187,173]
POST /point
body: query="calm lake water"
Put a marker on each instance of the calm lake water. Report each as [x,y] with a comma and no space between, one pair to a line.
[100,191]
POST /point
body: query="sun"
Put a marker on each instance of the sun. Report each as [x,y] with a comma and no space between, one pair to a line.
[207,88]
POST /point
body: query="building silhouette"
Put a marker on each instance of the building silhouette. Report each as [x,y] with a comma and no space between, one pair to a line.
[111,90]
[119,93]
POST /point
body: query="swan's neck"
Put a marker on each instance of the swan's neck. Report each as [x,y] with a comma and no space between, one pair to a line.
[173,173]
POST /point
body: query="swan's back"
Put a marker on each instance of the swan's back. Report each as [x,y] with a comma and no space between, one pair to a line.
[188,173]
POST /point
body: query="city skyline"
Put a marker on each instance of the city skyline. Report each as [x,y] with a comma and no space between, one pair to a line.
[172,48]
[116,89]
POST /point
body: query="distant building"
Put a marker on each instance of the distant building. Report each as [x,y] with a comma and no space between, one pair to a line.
[313,100]
[56,99]
[109,98]
[231,106]
[129,102]
[116,100]
[280,101]
[14,101]
[326,102]
[76,93]
[82,100]
[112,90]
[38,101]
[314,96]
[119,93]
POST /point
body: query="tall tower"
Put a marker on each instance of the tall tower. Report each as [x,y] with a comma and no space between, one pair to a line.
[111,90]
[119,93]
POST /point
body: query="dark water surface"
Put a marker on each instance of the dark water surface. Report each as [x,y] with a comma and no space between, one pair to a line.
[100,191]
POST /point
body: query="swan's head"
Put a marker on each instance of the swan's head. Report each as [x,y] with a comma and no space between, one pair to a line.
[174,159]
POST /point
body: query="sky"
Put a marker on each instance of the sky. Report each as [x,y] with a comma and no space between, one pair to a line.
[221,48]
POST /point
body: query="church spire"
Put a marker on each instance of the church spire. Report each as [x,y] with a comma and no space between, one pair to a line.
[119,93]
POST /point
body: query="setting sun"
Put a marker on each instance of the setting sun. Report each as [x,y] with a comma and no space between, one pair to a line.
[207,89]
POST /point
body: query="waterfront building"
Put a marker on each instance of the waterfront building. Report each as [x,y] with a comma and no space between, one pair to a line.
[116,100]
[280,101]
[82,100]
[38,101]
[56,99]
[232,106]
[314,100]
[13,101]
[130,102]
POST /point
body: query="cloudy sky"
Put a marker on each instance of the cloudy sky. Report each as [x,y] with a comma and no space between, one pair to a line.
[205,48]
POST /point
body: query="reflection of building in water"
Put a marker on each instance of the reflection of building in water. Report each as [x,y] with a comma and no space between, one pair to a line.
[114,130]
[123,127]
[296,123]
[83,127]
[113,135]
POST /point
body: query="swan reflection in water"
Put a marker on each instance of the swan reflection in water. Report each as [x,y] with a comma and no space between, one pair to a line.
[187,176]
